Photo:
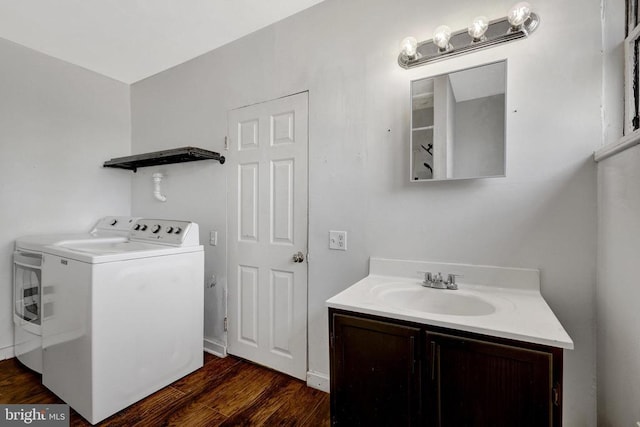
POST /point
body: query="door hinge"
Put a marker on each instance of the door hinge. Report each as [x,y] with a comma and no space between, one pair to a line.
[226,143]
[332,340]
[226,324]
[412,351]
[433,360]
[556,396]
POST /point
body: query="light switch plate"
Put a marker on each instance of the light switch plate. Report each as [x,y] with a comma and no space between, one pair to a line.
[338,240]
[213,238]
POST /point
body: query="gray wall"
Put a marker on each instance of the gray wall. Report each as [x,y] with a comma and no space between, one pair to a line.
[344,52]
[478,148]
[58,123]
[618,291]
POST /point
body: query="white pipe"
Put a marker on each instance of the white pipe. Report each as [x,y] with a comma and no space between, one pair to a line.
[157,178]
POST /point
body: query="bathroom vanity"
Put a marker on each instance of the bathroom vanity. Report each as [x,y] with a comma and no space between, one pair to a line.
[487,354]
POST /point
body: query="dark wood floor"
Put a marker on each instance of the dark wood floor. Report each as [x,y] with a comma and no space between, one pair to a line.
[225,392]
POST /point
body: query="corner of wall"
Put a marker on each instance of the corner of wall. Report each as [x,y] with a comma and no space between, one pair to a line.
[7,352]
[215,347]
[318,381]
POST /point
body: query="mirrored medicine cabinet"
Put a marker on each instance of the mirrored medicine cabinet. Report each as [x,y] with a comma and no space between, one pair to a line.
[458,124]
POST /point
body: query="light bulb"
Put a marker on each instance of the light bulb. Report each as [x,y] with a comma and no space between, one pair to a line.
[409,47]
[518,14]
[441,37]
[478,27]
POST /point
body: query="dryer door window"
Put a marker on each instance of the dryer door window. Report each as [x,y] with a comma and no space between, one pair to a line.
[27,280]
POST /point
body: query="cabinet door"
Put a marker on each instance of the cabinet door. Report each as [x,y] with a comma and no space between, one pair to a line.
[478,383]
[375,372]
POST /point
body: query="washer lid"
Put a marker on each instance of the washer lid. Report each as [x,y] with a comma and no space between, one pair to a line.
[38,242]
[108,227]
[97,252]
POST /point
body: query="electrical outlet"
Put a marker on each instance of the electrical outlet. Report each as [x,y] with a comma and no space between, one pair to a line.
[338,240]
[213,238]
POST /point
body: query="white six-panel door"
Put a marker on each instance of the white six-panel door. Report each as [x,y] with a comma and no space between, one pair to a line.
[267,211]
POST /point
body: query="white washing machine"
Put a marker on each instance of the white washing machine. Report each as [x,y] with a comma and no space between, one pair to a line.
[126,317]
[29,299]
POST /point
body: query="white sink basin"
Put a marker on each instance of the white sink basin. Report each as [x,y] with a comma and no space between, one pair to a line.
[497,301]
[437,301]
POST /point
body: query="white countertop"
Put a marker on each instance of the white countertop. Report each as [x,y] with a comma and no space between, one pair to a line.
[517,312]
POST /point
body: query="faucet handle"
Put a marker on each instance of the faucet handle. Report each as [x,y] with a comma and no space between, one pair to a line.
[451,280]
[426,276]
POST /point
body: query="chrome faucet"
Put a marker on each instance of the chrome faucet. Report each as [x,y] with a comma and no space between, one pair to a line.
[437,282]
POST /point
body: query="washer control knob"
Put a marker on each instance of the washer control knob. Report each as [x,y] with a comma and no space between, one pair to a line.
[136,227]
[144,227]
[113,222]
[155,228]
[178,230]
[169,229]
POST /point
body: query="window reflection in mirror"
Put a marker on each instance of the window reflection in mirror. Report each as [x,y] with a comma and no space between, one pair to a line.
[458,124]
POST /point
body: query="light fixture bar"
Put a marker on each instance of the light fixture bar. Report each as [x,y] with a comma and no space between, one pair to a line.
[499,31]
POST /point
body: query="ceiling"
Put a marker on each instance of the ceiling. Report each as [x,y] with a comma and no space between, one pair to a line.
[129,40]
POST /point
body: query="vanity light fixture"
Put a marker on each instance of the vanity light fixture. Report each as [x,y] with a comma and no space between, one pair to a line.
[518,14]
[409,46]
[441,37]
[478,28]
[519,23]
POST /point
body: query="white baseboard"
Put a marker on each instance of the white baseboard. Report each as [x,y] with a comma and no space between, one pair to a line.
[318,380]
[7,352]
[215,347]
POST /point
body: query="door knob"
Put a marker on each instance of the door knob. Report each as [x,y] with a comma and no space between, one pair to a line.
[299,257]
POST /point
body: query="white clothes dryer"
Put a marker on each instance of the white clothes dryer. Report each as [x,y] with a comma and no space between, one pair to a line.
[29,299]
[127,316]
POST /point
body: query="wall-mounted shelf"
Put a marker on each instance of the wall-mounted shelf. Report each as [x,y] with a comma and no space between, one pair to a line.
[176,155]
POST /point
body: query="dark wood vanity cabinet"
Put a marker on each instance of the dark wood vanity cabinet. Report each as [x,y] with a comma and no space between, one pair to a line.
[476,381]
[386,372]
[375,372]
